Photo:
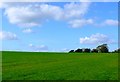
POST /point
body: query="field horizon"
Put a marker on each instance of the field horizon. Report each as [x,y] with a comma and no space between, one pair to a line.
[59,66]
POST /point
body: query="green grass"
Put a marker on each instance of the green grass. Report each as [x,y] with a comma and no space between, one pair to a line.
[0,66]
[59,66]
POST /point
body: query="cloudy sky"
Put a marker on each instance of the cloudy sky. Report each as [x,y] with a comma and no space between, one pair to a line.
[58,26]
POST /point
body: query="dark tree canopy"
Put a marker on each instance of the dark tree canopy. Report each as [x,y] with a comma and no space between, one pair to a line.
[94,50]
[86,50]
[78,50]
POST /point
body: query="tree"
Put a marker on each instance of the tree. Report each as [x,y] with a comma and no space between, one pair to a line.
[86,50]
[103,48]
[94,50]
[119,50]
[78,50]
[71,51]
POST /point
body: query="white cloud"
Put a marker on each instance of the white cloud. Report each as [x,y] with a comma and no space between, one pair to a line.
[96,39]
[110,22]
[106,22]
[38,48]
[27,30]
[79,23]
[7,36]
[31,15]
[76,10]
[1,4]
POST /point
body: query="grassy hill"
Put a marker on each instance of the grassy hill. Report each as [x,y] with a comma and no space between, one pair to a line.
[59,66]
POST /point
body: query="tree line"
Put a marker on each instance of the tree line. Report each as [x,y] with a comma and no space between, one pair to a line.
[99,49]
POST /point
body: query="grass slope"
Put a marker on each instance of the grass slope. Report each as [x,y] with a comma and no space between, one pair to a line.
[59,66]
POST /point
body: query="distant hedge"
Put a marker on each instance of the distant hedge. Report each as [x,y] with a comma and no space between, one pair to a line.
[99,49]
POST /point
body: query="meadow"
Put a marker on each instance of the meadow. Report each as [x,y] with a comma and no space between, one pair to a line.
[59,66]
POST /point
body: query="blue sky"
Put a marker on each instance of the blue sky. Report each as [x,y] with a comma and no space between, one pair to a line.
[58,26]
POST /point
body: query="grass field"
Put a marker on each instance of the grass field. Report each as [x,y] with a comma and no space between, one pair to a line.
[59,66]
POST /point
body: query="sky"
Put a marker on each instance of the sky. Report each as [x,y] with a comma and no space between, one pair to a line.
[58,26]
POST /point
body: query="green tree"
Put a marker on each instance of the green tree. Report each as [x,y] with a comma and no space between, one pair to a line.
[103,48]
